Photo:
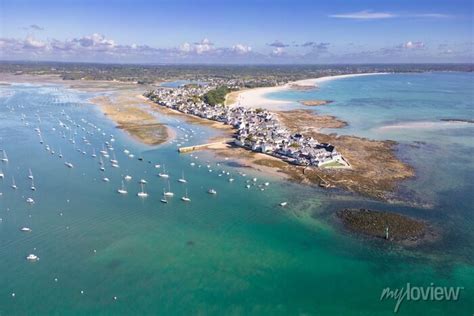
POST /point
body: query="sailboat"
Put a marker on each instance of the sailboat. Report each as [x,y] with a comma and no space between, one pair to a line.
[163,174]
[142,193]
[114,160]
[13,184]
[163,199]
[33,188]
[169,193]
[60,153]
[122,190]
[93,153]
[30,174]
[101,163]
[5,157]
[2,175]
[185,198]
[182,179]
[68,164]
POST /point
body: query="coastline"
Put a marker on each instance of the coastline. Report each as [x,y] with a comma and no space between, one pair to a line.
[123,105]
[256,98]
[372,175]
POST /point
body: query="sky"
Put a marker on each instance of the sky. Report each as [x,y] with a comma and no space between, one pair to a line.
[237,32]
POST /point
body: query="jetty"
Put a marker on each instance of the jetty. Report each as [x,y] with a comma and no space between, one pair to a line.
[187,149]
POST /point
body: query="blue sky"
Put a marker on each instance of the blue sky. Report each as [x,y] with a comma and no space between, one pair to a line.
[279,31]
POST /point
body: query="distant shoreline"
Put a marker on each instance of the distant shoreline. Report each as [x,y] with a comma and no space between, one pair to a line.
[257,97]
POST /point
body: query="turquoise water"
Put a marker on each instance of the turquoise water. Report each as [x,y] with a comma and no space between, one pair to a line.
[234,253]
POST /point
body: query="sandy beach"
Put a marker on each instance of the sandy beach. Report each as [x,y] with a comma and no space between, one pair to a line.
[257,98]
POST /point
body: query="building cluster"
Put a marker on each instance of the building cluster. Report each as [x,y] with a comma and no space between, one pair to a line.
[256,129]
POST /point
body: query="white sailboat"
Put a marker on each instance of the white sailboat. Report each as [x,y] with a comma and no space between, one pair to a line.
[93,153]
[5,157]
[60,153]
[101,163]
[122,190]
[212,191]
[142,193]
[163,174]
[114,160]
[13,184]
[30,174]
[169,193]
[163,199]
[2,175]
[182,179]
[33,188]
[185,198]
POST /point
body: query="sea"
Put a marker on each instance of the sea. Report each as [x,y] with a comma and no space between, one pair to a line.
[237,252]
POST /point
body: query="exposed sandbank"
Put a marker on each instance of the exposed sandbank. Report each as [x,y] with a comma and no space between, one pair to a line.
[257,98]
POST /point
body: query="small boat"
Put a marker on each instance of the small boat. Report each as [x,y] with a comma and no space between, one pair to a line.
[185,198]
[105,179]
[128,178]
[114,160]
[126,151]
[122,190]
[60,154]
[163,199]
[182,179]
[254,179]
[212,191]
[5,157]
[283,203]
[26,229]
[30,201]
[142,193]
[142,181]
[13,184]
[115,165]
[93,153]
[69,165]
[231,179]
[2,175]
[248,186]
[266,184]
[33,188]
[169,193]
[32,257]
[30,174]
[157,166]
[163,174]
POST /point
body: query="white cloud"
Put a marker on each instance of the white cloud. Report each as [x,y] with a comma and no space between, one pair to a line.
[413,45]
[364,15]
[371,15]
[241,49]
[278,51]
[32,43]
[203,46]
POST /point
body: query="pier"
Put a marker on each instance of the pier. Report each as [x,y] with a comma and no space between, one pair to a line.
[203,146]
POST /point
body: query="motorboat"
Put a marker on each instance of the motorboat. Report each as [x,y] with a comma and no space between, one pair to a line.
[32,257]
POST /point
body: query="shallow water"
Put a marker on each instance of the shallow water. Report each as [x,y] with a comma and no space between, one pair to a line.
[234,253]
